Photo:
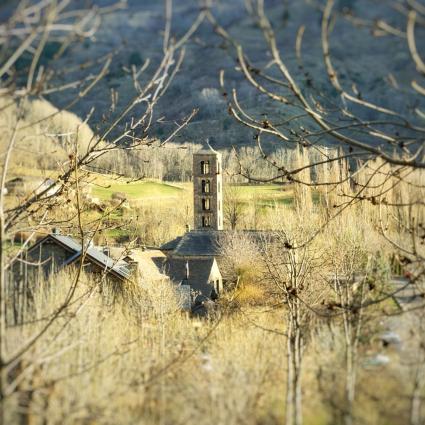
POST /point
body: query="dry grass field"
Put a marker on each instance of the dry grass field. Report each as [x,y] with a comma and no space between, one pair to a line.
[307,308]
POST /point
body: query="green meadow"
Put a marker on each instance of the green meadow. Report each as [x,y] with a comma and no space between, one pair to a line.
[137,190]
[263,194]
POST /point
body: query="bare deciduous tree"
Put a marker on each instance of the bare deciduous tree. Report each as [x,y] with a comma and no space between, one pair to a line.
[307,115]
[294,275]
[28,31]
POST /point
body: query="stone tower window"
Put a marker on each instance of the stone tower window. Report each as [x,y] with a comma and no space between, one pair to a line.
[206,221]
[206,186]
[205,167]
[208,190]
[206,204]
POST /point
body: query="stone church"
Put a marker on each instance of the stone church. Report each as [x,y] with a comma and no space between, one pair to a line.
[192,261]
[192,258]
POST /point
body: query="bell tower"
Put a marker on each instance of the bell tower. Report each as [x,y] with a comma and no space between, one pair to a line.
[207,189]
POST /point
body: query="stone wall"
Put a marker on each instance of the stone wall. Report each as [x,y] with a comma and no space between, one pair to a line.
[208,190]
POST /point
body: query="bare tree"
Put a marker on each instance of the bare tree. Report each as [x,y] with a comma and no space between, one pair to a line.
[350,286]
[290,275]
[389,146]
[233,206]
[28,31]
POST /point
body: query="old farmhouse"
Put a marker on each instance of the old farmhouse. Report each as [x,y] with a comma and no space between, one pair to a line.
[55,251]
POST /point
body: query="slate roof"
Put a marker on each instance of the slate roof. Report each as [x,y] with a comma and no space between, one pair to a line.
[199,272]
[206,243]
[92,254]
[67,241]
[108,263]
[199,243]
[170,245]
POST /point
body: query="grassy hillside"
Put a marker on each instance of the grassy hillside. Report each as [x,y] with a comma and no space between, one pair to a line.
[266,195]
[137,190]
[45,136]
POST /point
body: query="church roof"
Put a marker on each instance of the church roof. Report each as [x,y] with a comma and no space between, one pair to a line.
[199,243]
[207,243]
[170,245]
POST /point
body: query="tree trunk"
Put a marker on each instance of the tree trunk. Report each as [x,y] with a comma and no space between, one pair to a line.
[289,379]
[298,418]
[416,399]
[350,384]
[2,317]
[294,363]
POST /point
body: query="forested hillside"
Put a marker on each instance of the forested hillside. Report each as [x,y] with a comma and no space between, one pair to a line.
[134,34]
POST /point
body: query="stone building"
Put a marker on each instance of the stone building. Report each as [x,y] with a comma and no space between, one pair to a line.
[194,258]
[208,189]
[191,259]
[55,252]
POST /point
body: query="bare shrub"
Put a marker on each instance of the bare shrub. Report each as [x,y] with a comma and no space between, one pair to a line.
[119,196]
[137,358]
[240,253]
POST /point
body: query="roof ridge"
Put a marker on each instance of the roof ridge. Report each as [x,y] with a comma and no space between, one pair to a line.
[180,242]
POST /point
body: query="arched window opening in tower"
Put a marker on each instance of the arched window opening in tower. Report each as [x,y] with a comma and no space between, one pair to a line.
[206,186]
[206,221]
[206,204]
[205,167]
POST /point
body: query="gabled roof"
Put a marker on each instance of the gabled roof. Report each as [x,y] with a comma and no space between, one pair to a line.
[107,263]
[92,254]
[66,241]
